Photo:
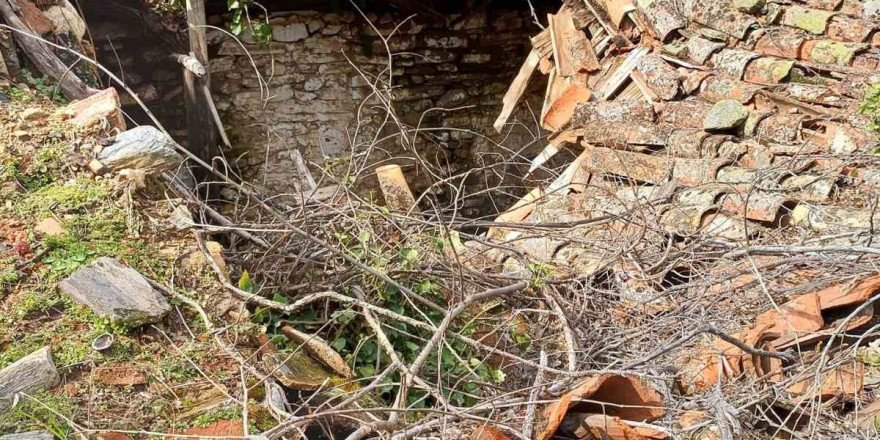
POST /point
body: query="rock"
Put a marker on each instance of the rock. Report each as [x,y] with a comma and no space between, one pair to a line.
[96,109]
[34,114]
[31,435]
[872,10]
[66,19]
[725,115]
[145,148]
[313,84]
[115,292]
[97,167]
[29,374]
[49,227]
[452,98]
[287,33]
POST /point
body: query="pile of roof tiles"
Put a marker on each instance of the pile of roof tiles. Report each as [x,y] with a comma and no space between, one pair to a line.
[706,128]
[730,117]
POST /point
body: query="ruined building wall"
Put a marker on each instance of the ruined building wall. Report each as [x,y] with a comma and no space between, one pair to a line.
[315,91]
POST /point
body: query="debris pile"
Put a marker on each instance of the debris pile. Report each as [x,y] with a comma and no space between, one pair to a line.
[724,164]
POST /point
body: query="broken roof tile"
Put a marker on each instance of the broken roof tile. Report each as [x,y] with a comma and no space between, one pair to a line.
[699,49]
[831,52]
[663,15]
[732,62]
[843,28]
[814,21]
[717,88]
[767,70]
[659,76]
[686,114]
[618,110]
[781,42]
[756,205]
[719,16]
[637,166]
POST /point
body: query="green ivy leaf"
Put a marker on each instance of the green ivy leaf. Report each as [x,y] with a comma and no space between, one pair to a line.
[339,343]
[246,283]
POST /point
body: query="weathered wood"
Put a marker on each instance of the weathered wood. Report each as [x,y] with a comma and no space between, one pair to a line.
[43,58]
[32,435]
[517,87]
[96,109]
[561,49]
[398,196]
[144,148]
[116,292]
[29,374]
[202,140]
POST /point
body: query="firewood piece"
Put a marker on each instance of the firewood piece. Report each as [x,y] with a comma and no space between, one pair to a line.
[516,89]
[29,374]
[398,196]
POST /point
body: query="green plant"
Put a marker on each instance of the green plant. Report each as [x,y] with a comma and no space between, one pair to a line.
[871,106]
[39,83]
[44,411]
[241,21]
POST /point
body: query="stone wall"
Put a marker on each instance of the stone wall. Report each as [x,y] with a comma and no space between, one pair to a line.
[314,96]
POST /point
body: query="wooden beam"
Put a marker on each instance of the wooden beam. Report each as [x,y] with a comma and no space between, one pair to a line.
[202,140]
[42,56]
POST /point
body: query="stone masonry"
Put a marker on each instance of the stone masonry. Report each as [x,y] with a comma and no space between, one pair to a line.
[315,92]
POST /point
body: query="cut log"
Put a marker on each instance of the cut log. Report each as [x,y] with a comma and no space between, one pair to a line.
[516,89]
[116,292]
[144,148]
[398,196]
[97,109]
[29,374]
[32,435]
[46,62]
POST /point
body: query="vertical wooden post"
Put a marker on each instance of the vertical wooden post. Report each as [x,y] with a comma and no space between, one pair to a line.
[202,135]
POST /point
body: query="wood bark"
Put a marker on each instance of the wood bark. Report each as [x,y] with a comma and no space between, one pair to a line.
[42,56]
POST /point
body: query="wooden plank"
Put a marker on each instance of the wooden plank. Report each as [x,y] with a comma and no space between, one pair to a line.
[398,196]
[613,83]
[516,89]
